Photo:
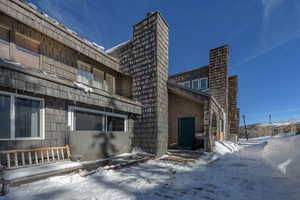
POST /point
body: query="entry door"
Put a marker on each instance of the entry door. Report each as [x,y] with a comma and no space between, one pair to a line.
[186,131]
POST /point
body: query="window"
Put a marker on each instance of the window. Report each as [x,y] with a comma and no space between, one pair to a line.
[4,42]
[27,117]
[110,81]
[203,83]
[196,84]
[84,74]
[185,83]
[83,119]
[115,123]
[5,116]
[98,78]
[199,83]
[21,117]
[87,121]
[27,51]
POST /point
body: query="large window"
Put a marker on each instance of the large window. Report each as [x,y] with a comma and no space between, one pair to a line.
[83,119]
[4,42]
[27,117]
[27,51]
[21,117]
[88,121]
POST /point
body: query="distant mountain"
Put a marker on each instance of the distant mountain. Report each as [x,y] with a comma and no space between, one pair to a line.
[268,129]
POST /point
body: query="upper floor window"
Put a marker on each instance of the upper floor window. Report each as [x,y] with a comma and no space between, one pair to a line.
[98,78]
[200,84]
[4,42]
[110,82]
[27,51]
[196,84]
[203,83]
[185,83]
[84,74]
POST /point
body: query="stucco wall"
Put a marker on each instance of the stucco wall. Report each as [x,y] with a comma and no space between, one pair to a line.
[93,145]
[180,107]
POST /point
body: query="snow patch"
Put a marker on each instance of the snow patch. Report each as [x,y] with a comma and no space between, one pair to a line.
[99,47]
[282,167]
[32,6]
[29,171]
[225,147]
[83,87]
[10,61]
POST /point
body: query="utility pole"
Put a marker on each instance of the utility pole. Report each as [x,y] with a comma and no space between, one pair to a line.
[270,122]
[245,127]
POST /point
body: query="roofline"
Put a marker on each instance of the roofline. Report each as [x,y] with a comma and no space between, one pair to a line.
[233,76]
[110,50]
[190,70]
[225,45]
[150,14]
[189,89]
[39,14]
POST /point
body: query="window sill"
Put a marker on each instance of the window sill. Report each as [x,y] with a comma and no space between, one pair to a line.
[25,139]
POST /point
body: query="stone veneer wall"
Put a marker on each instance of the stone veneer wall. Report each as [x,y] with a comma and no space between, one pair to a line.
[233,111]
[218,77]
[145,58]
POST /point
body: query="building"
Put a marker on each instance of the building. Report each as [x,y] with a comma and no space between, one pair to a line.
[57,88]
[208,102]
[190,109]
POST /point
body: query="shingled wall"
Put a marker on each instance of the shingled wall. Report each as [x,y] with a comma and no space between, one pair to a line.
[145,58]
[233,111]
[218,76]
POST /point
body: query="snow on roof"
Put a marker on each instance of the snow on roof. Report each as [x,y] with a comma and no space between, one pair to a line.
[117,46]
[33,6]
[275,124]
[99,47]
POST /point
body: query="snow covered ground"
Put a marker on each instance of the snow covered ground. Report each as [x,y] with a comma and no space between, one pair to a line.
[243,174]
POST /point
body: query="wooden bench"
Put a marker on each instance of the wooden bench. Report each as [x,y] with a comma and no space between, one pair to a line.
[26,165]
[12,159]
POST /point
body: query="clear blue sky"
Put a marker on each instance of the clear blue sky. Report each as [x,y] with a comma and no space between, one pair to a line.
[263,35]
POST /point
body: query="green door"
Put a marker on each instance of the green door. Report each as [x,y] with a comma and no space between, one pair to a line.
[186,132]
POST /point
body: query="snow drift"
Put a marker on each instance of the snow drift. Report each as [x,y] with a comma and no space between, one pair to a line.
[284,155]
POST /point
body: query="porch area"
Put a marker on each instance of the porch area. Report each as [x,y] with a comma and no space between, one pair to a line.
[196,120]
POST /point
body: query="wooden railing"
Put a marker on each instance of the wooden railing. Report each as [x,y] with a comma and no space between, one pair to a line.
[11,159]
